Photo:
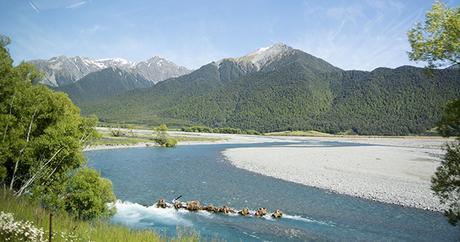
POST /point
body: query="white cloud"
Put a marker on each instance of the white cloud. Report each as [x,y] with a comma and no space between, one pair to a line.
[34,7]
[76,5]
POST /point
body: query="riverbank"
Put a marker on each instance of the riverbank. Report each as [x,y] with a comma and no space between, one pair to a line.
[391,170]
[137,138]
[65,227]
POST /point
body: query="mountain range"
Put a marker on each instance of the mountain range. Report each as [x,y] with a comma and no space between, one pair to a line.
[281,88]
[62,70]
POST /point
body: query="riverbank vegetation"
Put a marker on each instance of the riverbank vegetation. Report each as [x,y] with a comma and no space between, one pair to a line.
[67,228]
[226,130]
[436,42]
[42,166]
[133,136]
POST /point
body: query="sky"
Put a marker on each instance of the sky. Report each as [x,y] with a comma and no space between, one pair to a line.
[353,34]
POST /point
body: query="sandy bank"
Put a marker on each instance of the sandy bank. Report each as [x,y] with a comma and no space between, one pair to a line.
[393,170]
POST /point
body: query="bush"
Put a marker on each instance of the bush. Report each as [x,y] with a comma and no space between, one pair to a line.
[11,230]
[166,141]
[117,133]
[89,195]
[170,142]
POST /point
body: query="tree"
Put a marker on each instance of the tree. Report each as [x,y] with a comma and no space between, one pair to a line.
[161,130]
[162,137]
[88,195]
[446,181]
[41,134]
[437,41]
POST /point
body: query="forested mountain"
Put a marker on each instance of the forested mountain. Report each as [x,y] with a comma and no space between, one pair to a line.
[281,88]
[104,83]
[63,70]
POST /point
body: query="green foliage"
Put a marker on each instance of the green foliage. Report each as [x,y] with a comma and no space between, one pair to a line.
[42,132]
[41,139]
[198,129]
[170,142]
[437,41]
[446,182]
[401,101]
[165,141]
[161,129]
[162,137]
[227,130]
[88,195]
[117,132]
[450,121]
[104,83]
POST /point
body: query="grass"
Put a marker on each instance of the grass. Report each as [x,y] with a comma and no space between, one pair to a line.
[27,210]
[196,138]
[132,138]
[120,141]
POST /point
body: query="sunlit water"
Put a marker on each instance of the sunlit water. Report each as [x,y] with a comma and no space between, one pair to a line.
[141,176]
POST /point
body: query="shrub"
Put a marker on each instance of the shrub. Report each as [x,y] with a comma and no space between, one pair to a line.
[170,142]
[117,133]
[165,141]
[11,230]
[89,195]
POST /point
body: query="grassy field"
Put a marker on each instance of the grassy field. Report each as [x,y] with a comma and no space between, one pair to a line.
[26,210]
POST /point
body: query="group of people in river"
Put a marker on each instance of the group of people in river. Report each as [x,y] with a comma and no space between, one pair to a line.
[196,206]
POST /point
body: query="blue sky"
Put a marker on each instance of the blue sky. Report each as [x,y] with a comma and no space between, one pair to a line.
[349,34]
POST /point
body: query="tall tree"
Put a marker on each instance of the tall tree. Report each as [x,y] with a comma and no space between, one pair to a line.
[438,43]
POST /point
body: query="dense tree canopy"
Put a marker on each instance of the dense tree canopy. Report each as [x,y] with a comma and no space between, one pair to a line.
[450,121]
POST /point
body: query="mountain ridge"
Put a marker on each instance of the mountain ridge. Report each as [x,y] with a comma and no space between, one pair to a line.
[288,90]
[63,70]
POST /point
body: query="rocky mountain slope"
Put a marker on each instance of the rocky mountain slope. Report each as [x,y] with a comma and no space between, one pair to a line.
[63,70]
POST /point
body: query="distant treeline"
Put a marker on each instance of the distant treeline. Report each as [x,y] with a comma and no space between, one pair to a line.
[227,130]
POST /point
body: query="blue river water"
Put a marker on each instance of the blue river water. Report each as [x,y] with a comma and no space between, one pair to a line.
[141,176]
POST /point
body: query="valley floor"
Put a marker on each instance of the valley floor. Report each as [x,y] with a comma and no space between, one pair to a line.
[395,170]
[392,170]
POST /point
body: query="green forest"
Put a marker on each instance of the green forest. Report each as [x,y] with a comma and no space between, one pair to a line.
[298,92]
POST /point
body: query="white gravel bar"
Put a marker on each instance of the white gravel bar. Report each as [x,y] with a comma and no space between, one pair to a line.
[392,170]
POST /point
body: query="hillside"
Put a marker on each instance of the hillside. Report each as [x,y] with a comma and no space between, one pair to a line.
[104,83]
[281,88]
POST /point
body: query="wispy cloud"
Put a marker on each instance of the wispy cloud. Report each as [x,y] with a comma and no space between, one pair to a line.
[34,6]
[76,5]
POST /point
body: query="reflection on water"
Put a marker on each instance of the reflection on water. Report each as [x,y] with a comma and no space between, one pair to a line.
[199,172]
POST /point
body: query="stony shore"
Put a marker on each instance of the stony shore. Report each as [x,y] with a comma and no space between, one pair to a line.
[391,170]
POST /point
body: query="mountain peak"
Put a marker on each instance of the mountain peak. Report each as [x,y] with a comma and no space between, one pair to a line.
[266,55]
[277,47]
